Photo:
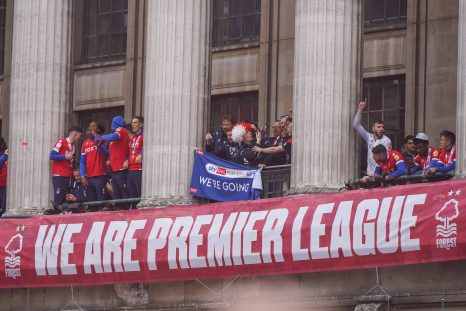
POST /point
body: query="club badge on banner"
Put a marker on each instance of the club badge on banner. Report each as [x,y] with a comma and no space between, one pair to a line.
[401,225]
[220,180]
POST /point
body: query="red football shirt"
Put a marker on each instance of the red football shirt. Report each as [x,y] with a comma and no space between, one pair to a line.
[423,162]
[95,159]
[448,156]
[63,168]
[135,149]
[3,174]
[393,158]
[119,150]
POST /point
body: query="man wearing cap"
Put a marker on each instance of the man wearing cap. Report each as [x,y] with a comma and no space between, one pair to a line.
[373,139]
[427,157]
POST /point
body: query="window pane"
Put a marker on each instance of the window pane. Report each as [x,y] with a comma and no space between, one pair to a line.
[391,99]
[384,11]
[93,47]
[104,49]
[105,27]
[235,7]
[92,7]
[248,6]
[105,22]
[92,25]
[220,32]
[235,28]
[105,6]
[377,10]
[118,22]
[235,21]
[242,106]
[118,5]
[390,118]
[393,8]
[249,25]
[375,98]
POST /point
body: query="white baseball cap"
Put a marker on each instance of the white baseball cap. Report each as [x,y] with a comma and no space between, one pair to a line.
[422,136]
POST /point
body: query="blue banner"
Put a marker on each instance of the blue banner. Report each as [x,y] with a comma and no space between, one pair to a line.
[220,180]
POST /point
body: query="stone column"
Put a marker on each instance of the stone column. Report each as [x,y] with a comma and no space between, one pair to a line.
[461,94]
[326,88]
[176,97]
[39,99]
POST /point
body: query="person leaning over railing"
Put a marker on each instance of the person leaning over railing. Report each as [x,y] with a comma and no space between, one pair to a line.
[284,148]
[447,159]
[215,140]
[408,151]
[427,157]
[390,164]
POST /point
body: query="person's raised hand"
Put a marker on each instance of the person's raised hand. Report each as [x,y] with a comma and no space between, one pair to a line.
[362,105]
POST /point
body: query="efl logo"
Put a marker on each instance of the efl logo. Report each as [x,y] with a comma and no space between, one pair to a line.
[447,231]
[221,171]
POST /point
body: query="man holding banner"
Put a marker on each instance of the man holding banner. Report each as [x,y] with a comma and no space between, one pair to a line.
[219,180]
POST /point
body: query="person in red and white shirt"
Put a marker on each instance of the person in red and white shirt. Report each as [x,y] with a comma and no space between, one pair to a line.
[135,158]
[447,159]
[426,157]
[390,163]
[93,168]
[63,157]
[119,154]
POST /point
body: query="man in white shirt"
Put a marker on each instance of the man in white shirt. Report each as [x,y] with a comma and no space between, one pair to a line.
[373,139]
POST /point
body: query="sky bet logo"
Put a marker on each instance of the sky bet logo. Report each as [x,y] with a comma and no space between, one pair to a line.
[228,172]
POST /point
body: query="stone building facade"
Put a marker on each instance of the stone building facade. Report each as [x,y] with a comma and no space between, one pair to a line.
[182,64]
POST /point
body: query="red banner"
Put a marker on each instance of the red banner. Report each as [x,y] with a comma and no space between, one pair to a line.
[339,231]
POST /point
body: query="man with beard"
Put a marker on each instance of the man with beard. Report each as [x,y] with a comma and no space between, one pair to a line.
[284,148]
[119,153]
[214,141]
[93,168]
[373,139]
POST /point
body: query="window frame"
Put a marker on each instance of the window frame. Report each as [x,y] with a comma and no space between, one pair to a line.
[228,17]
[110,34]
[400,19]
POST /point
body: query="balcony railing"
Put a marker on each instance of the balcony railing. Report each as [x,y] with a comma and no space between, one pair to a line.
[275,181]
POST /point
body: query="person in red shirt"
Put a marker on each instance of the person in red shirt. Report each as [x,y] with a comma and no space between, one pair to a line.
[119,154]
[390,163]
[62,157]
[426,157]
[447,159]
[93,168]
[135,158]
[3,174]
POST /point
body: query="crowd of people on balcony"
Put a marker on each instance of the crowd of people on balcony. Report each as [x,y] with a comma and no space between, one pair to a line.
[247,144]
[110,166]
[417,157]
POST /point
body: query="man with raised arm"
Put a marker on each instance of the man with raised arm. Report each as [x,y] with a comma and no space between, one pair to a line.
[373,139]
